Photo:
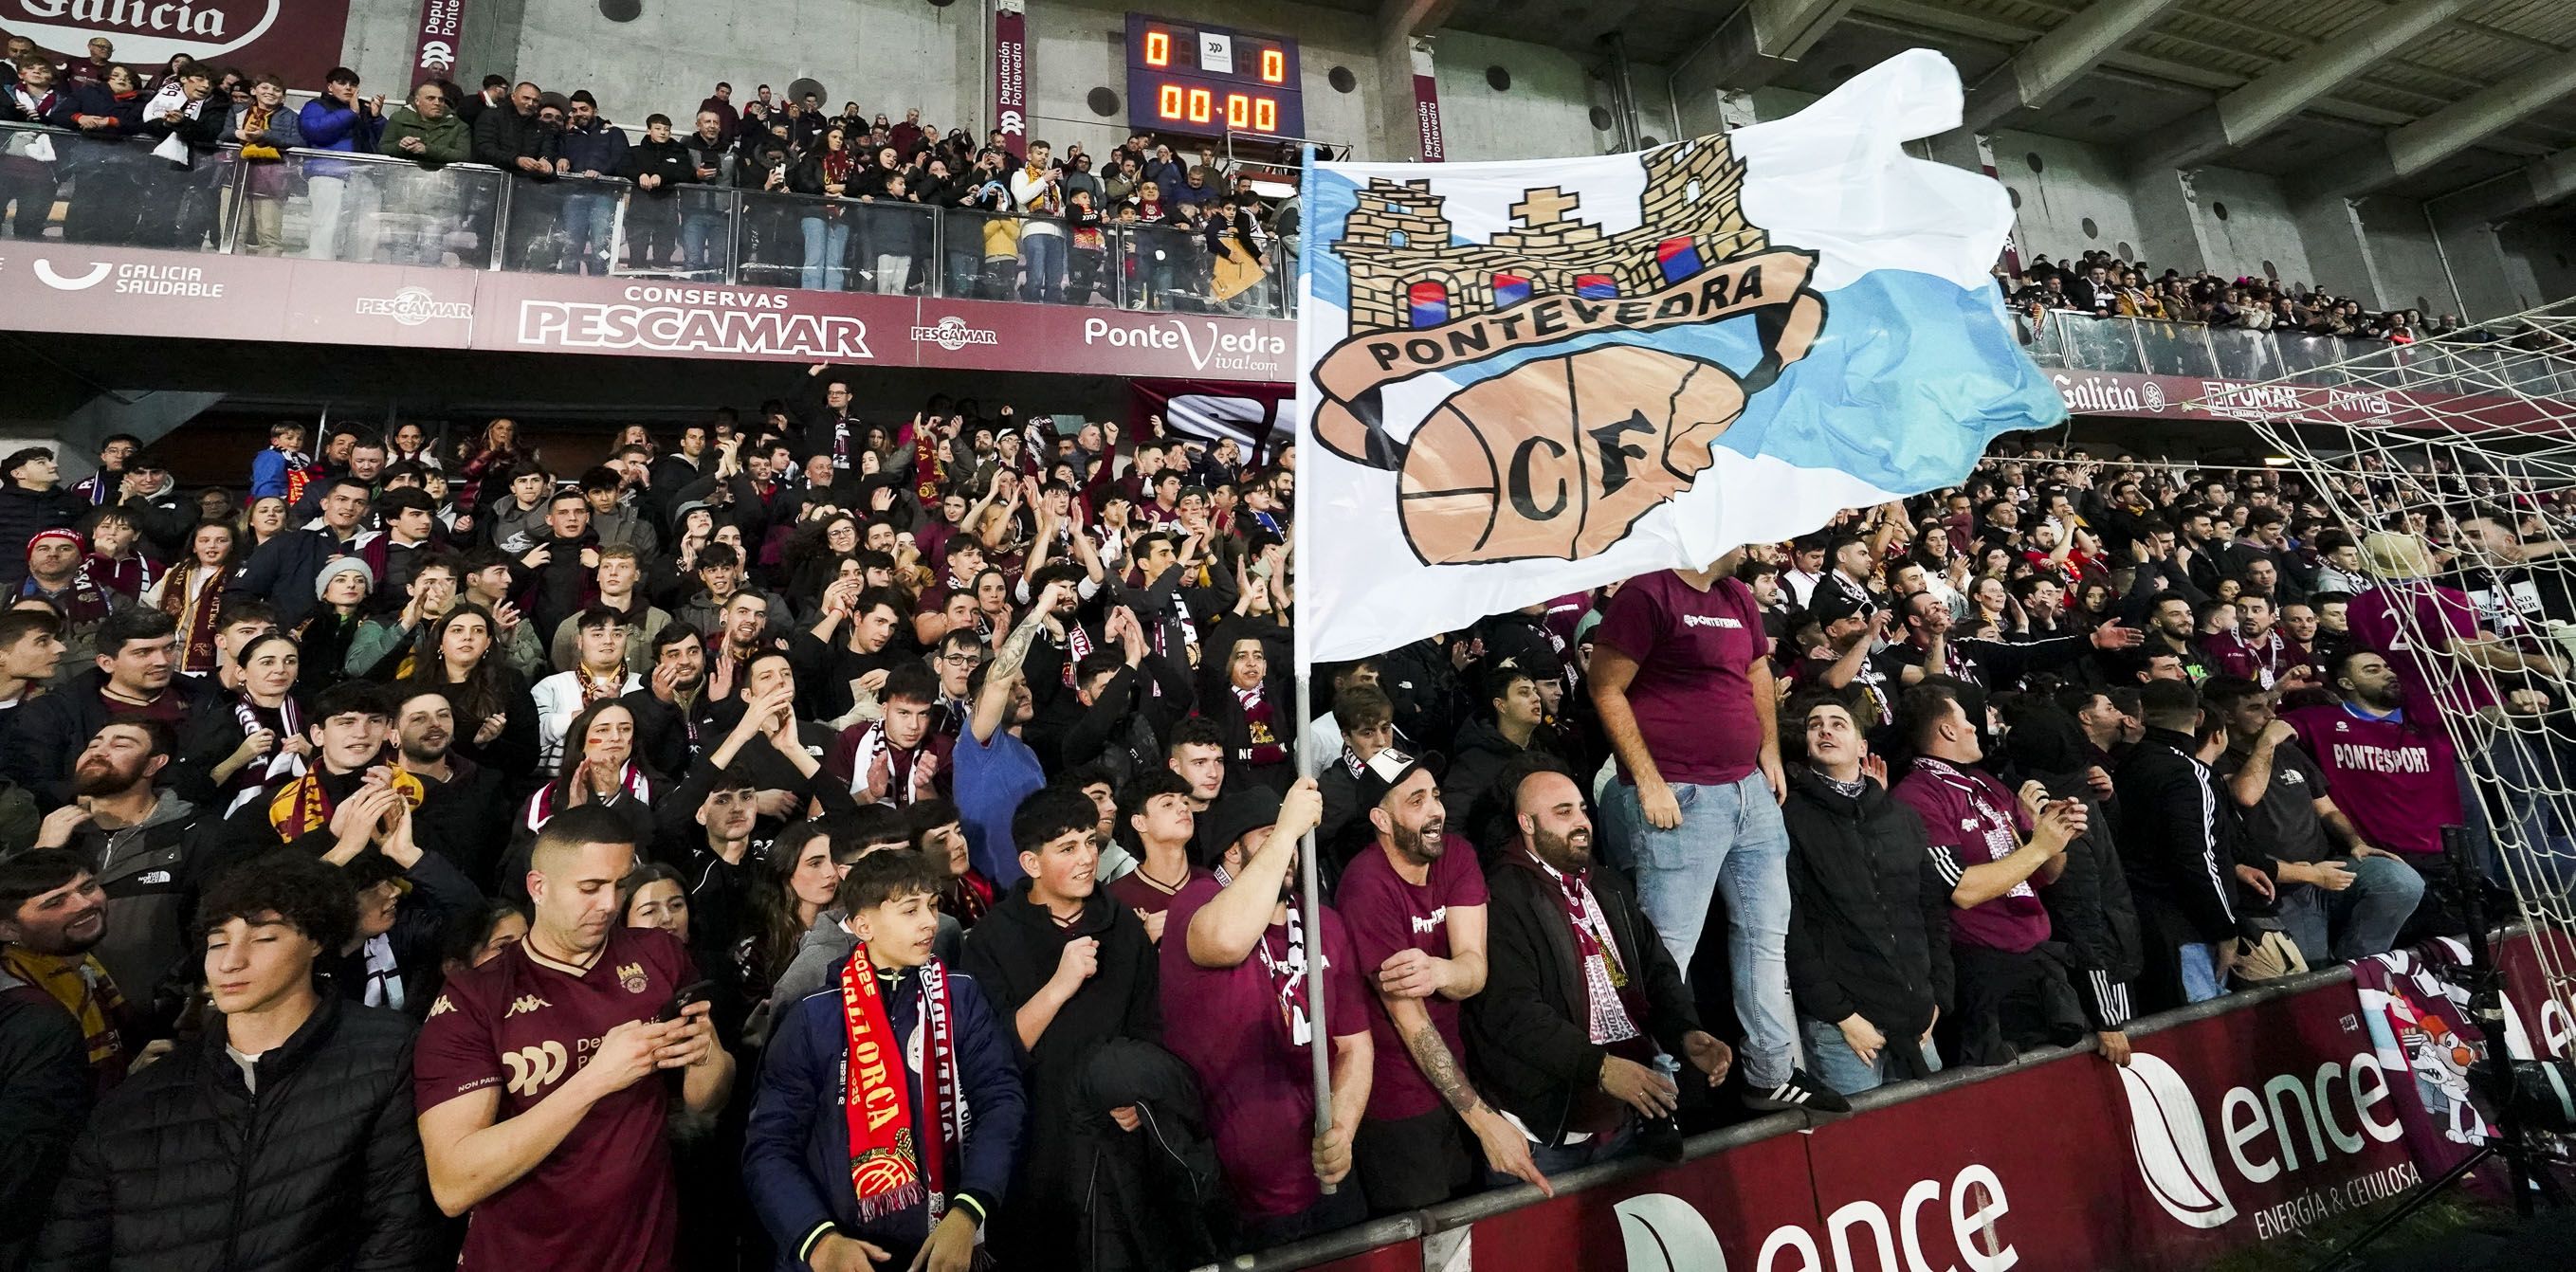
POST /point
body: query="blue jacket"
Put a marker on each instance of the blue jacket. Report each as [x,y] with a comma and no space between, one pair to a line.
[796,1151]
[268,473]
[328,125]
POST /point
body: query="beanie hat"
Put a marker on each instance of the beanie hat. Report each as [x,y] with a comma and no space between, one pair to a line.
[337,566]
[71,537]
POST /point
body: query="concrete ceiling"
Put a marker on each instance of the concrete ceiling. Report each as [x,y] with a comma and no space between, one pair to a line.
[2338,98]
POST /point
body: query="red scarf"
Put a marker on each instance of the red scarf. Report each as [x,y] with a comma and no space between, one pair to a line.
[888,1169]
[928,472]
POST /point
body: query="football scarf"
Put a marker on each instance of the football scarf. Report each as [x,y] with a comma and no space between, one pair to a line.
[888,1169]
[279,764]
[548,801]
[301,807]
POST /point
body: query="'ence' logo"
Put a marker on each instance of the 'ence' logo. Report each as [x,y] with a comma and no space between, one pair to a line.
[533,1069]
[1556,457]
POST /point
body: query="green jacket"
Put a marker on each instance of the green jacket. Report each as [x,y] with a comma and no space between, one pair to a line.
[446,137]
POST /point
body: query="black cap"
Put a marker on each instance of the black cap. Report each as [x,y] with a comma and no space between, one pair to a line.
[1834,604]
[1238,813]
[1388,769]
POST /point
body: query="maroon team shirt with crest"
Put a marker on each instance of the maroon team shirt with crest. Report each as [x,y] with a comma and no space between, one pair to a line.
[525,1024]
[1693,694]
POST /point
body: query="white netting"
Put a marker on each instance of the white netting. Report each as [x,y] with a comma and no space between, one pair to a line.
[2476,454]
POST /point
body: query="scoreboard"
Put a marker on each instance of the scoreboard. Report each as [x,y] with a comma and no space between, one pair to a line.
[1207,81]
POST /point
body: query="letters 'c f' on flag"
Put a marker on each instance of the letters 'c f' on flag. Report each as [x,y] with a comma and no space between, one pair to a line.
[1519,380]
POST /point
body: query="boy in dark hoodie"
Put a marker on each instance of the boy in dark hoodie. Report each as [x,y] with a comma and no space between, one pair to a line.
[1075,970]
[658,165]
[890,1106]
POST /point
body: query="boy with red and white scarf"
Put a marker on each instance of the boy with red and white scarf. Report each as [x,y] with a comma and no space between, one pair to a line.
[890,1104]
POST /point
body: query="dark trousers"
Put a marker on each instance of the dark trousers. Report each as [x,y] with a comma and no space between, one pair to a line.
[1410,1163]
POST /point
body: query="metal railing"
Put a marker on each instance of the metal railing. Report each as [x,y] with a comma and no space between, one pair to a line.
[2081,342]
[329,205]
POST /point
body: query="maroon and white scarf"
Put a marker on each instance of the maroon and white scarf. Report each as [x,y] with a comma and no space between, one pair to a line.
[280,764]
[1606,984]
[548,801]
[1288,977]
[899,763]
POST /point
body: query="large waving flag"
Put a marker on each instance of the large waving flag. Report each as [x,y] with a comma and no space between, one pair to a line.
[1525,379]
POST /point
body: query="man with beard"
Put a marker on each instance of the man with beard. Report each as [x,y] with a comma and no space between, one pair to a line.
[538,1073]
[135,672]
[1580,993]
[52,914]
[674,719]
[133,840]
[1073,970]
[1416,911]
[2173,627]
[464,812]
[1233,961]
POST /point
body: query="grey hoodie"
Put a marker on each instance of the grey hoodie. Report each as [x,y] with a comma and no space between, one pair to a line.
[827,945]
[151,887]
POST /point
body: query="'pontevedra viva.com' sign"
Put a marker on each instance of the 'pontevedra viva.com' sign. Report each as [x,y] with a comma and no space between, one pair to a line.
[297,39]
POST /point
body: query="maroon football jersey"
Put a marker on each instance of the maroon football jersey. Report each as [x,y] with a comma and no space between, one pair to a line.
[525,1023]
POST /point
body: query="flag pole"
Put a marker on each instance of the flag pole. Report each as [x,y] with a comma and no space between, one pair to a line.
[1309,886]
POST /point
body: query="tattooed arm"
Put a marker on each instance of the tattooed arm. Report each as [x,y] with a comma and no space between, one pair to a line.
[1505,1148]
[993,706]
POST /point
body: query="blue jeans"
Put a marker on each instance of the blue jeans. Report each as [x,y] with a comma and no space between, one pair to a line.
[826,243]
[1731,842]
[1042,272]
[1833,1062]
[2357,922]
[2200,979]
[699,237]
[590,226]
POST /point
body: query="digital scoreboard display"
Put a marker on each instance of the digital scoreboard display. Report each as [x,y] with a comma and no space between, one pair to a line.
[1207,81]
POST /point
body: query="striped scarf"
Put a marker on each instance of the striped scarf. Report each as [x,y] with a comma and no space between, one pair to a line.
[280,763]
[302,806]
[548,801]
[889,1169]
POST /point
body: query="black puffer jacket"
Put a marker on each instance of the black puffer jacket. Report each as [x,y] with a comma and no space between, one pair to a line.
[1869,914]
[23,513]
[184,1168]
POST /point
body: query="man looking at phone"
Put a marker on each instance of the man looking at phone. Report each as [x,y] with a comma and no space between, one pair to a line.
[541,1111]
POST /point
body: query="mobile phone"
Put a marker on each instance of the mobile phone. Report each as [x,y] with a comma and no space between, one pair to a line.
[688,995]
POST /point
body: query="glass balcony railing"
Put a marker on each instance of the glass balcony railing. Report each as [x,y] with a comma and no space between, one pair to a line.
[2081,342]
[324,205]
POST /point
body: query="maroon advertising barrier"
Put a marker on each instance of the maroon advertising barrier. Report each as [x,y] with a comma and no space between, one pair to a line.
[70,287]
[297,39]
[1011,73]
[2225,1131]
[1426,106]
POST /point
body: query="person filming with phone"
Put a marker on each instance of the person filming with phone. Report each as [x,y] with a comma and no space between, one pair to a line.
[542,1108]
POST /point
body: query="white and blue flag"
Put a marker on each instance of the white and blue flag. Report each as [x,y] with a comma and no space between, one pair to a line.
[1519,380]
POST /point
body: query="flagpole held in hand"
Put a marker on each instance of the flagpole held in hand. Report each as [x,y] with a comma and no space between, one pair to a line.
[1309,887]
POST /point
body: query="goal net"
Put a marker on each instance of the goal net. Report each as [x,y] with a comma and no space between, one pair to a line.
[2467,443]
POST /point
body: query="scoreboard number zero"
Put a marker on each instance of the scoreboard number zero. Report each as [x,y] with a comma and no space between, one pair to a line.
[1198,80]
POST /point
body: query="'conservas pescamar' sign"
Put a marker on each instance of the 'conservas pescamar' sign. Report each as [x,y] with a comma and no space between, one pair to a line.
[297,39]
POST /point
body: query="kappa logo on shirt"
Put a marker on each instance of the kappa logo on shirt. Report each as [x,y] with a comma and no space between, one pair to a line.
[442,1006]
[1712,620]
[532,1069]
[525,1003]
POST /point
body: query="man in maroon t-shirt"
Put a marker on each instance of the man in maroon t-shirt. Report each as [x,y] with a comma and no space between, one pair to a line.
[2397,778]
[541,1109]
[1234,995]
[1415,905]
[1681,678]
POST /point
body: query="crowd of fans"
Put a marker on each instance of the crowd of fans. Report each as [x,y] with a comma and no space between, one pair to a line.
[834,201]
[807,841]
[2102,285]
